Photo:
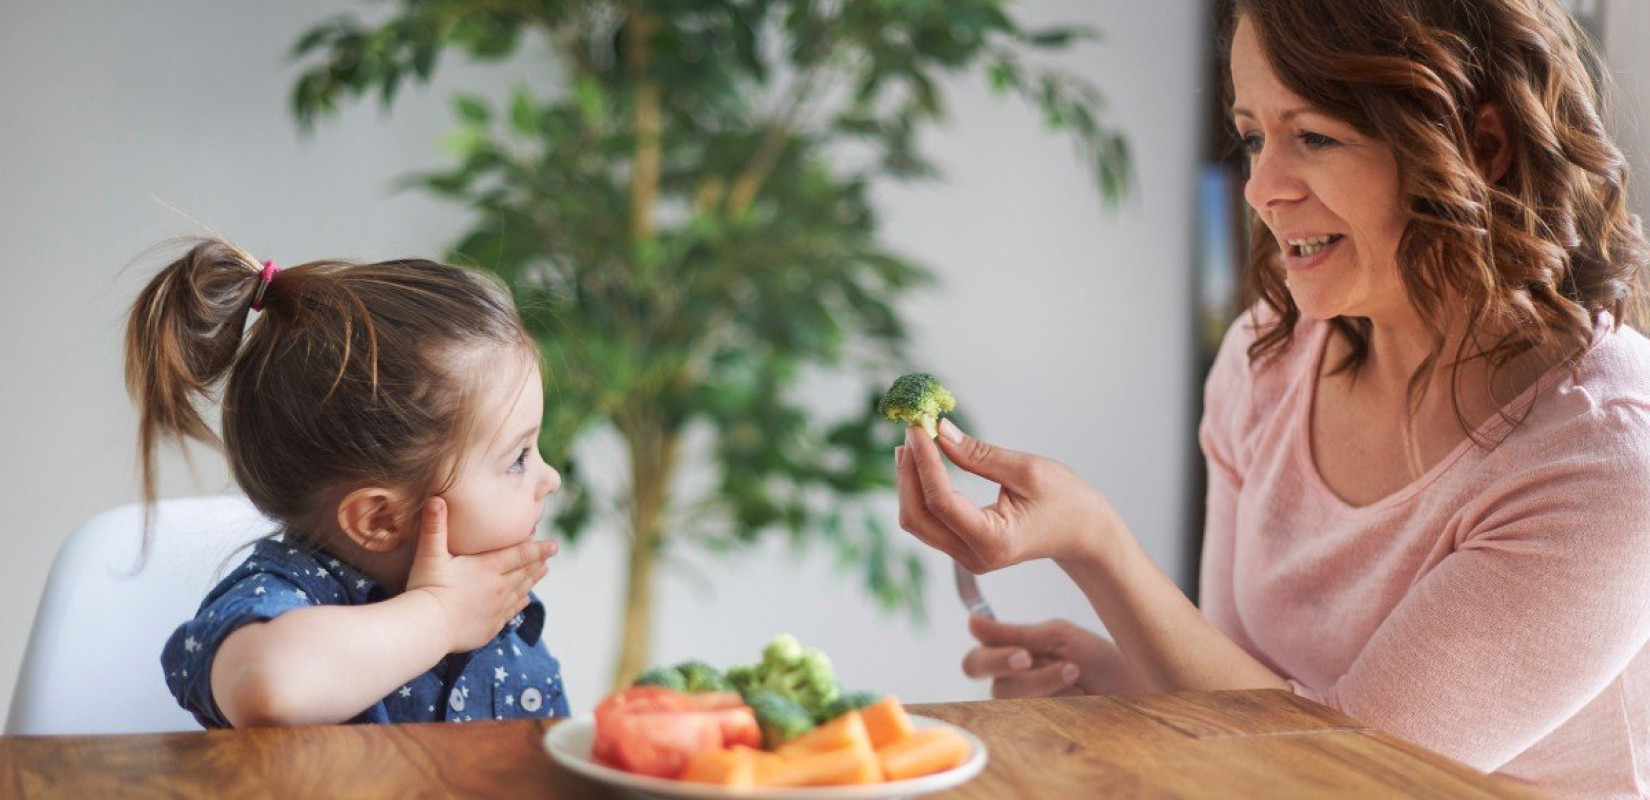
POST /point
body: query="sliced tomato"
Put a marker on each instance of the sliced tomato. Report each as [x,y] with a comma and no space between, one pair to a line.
[651,730]
[714,701]
[738,726]
[659,743]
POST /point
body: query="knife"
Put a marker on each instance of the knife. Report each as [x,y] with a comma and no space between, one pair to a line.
[968,588]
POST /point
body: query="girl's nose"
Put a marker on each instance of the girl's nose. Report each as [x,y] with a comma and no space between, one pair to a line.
[549,480]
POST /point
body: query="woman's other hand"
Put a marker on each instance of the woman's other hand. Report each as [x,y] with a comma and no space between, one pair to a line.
[1047,659]
[1043,509]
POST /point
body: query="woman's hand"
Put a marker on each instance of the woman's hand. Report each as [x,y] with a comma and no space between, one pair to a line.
[1047,659]
[1043,509]
[477,594]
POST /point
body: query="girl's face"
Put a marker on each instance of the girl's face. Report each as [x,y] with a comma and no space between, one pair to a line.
[1328,194]
[499,493]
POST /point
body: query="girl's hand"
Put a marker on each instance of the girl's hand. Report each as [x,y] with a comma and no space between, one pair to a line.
[1048,659]
[477,594]
[1043,509]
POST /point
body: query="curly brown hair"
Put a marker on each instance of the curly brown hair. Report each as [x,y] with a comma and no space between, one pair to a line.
[1544,250]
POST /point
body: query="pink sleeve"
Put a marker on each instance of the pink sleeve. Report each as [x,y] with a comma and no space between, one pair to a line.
[1544,601]
[1226,398]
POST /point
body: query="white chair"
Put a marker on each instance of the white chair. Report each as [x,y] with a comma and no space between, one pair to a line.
[93,659]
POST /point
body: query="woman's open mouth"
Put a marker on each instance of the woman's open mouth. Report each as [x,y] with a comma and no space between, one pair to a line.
[1299,254]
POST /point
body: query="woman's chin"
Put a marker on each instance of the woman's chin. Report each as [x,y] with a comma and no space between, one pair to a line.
[1313,305]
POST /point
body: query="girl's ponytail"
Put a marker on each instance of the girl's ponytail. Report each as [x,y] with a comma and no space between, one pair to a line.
[181,339]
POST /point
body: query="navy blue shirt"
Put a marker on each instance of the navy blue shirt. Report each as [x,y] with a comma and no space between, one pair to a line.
[511,677]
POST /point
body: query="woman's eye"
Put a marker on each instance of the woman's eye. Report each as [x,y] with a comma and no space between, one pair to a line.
[520,464]
[1316,141]
[1249,143]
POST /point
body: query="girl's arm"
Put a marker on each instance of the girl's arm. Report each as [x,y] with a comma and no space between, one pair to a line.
[325,664]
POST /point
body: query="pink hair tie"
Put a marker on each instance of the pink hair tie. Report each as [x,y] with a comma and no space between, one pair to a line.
[265,278]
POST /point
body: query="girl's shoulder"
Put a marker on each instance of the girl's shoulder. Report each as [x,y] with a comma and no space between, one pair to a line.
[311,576]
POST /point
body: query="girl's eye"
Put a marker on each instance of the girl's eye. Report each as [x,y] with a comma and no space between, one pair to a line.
[520,464]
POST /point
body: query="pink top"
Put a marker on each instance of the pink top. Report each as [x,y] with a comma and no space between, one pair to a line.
[1497,610]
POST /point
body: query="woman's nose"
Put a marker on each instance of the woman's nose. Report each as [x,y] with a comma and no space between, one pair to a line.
[1272,180]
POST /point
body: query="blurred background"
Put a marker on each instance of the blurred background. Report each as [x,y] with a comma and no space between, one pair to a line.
[1066,329]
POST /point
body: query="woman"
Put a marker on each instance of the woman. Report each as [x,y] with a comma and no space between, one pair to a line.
[1428,441]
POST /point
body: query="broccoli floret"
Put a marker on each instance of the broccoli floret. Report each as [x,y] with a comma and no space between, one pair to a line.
[917,399]
[851,701]
[702,677]
[743,678]
[780,718]
[668,677]
[800,674]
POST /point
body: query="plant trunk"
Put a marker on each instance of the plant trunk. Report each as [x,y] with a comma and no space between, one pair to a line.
[652,463]
[644,186]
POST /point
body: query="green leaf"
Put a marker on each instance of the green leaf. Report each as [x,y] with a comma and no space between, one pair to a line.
[524,115]
[591,106]
[473,109]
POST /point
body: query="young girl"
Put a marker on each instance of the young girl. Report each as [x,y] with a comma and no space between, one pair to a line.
[386,416]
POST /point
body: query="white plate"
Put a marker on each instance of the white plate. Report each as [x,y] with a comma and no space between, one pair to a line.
[569,743]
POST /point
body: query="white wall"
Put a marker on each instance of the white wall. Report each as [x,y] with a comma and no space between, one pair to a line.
[1062,327]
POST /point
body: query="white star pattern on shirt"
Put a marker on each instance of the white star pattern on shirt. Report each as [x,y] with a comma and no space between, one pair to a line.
[510,700]
[257,590]
[191,645]
[516,650]
[321,573]
[300,593]
[360,583]
[499,674]
[333,563]
[406,691]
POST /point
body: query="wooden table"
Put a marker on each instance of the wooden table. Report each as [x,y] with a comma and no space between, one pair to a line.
[1261,744]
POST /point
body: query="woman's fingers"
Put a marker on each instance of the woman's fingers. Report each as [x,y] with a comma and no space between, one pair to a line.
[914,515]
[999,465]
[996,662]
[1040,681]
[947,505]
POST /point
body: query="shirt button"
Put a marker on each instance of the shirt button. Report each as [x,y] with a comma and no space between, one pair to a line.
[531,700]
[456,700]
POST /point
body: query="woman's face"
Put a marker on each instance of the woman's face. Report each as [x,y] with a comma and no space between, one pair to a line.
[1328,194]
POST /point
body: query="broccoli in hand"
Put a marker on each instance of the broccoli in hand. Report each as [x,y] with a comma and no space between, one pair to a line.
[917,399]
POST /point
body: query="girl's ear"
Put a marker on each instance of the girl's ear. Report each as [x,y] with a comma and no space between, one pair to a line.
[372,518]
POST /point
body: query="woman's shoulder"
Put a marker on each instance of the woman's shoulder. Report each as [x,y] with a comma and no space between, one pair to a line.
[1271,370]
[1616,368]
[1598,406]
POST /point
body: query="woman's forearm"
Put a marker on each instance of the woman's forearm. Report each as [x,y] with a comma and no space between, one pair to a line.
[325,664]
[1163,636]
